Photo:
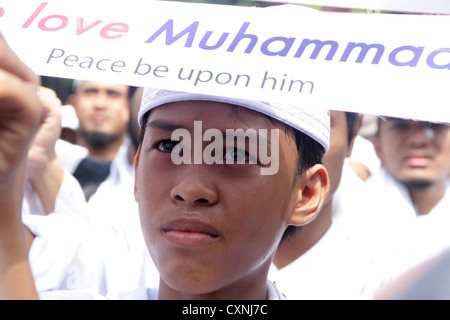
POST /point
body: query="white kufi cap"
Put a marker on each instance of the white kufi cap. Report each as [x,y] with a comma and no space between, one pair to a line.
[314,122]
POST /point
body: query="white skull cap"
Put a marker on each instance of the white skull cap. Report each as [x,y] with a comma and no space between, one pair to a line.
[314,122]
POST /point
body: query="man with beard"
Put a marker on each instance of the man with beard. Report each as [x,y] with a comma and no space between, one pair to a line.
[415,158]
[410,197]
[103,112]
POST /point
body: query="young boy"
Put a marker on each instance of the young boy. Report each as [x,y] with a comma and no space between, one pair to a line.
[212,211]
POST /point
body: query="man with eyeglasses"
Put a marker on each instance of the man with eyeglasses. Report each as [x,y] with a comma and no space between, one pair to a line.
[409,212]
[415,157]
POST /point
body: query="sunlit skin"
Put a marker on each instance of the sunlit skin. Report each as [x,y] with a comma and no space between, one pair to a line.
[212,230]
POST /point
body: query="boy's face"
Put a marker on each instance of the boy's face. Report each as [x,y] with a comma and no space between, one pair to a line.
[211,226]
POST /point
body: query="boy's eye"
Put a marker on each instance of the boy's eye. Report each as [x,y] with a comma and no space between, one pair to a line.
[166,145]
[236,155]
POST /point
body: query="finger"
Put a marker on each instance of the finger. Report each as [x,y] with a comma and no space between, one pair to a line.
[10,62]
[18,99]
[49,98]
[47,92]
[51,103]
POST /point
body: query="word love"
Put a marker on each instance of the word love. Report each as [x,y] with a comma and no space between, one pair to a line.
[239,147]
[56,22]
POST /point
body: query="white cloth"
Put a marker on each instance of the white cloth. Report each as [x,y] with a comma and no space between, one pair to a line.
[364,152]
[97,245]
[334,268]
[70,155]
[405,239]
[349,203]
[70,198]
[70,253]
[114,207]
[314,122]
[338,265]
[113,203]
[375,237]
[141,293]
[394,204]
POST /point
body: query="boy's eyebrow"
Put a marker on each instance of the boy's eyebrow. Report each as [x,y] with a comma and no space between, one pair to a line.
[240,135]
[164,125]
[168,126]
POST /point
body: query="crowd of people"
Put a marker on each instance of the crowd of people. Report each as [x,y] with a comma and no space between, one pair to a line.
[98,208]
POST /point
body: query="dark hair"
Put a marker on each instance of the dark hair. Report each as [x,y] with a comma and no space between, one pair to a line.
[143,127]
[352,125]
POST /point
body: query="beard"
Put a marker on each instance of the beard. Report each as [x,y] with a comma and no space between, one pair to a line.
[98,139]
[417,184]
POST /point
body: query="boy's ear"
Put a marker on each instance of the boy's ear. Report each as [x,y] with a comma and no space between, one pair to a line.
[311,194]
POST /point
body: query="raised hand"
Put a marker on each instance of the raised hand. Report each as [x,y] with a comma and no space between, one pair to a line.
[20,116]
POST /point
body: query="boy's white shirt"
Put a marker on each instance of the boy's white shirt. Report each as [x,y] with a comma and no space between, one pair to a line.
[141,293]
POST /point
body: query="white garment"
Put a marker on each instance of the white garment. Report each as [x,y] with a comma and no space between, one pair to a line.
[337,266]
[364,152]
[334,268]
[78,248]
[70,155]
[392,203]
[141,293]
[350,201]
[114,207]
[407,239]
[113,203]
[70,198]
[71,253]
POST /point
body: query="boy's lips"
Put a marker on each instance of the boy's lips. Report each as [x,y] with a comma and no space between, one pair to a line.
[189,233]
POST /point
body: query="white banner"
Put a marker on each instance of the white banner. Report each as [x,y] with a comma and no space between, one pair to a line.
[410,6]
[384,64]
